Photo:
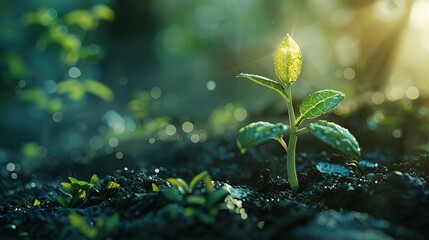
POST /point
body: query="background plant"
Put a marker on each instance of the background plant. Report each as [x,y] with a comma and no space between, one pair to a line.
[287,65]
[102,189]
[100,230]
[73,191]
[191,204]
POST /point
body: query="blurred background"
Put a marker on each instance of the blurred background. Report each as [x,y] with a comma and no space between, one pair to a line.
[88,78]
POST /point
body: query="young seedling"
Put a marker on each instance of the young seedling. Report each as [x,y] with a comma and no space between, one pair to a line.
[192,204]
[100,230]
[103,191]
[73,192]
[184,187]
[287,65]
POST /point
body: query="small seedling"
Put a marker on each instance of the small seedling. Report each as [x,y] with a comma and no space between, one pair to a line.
[103,192]
[73,192]
[287,65]
[188,203]
[101,230]
[184,187]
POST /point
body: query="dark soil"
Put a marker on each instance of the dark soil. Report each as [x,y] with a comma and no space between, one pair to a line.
[384,196]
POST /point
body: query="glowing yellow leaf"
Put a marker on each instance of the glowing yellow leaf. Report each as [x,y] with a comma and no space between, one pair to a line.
[288,60]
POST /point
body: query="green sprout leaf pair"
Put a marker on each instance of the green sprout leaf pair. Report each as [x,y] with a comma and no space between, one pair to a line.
[184,187]
[188,203]
[103,192]
[76,190]
[73,192]
[287,65]
[313,106]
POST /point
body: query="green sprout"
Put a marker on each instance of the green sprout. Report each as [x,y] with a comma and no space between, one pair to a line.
[73,192]
[103,191]
[287,65]
[184,187]
[77,190]
[191,204]
[100,230]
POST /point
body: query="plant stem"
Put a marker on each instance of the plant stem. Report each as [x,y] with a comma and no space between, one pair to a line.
[291,166]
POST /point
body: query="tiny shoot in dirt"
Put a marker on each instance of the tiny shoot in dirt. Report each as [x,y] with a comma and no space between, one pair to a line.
[287,65]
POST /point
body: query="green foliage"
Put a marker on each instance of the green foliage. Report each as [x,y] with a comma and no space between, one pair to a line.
[57,27]
[320,103]
[101,230]
[76,89]
[30,150]
[89,19]
[287,65]
[73,191]
[41,99]
[266,82]
[188,203]
[36,202]
[336,137]
[103,192]
[259,132]
[15,65]
[58,30]
[77,190]
[184,187]
[155,188]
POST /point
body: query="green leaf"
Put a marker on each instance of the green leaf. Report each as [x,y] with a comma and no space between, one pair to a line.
[68,186]
[15,64]
[37,96]
[263,81]
[320,103]
[98,89]
[85,184]
[172,210]
[216,197]
[103,12]
[206,218]
[67,193]
[288,60]
[64,201]
[259,132]
[208,181]
[198,178]
[81,193]
[96,182]
[36,202]
[82,18]
[112,185]
[155,188]
[336,137]
[73,88]
[172,194]
[196,199]
[79,223]
[180,184]
[73,180]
